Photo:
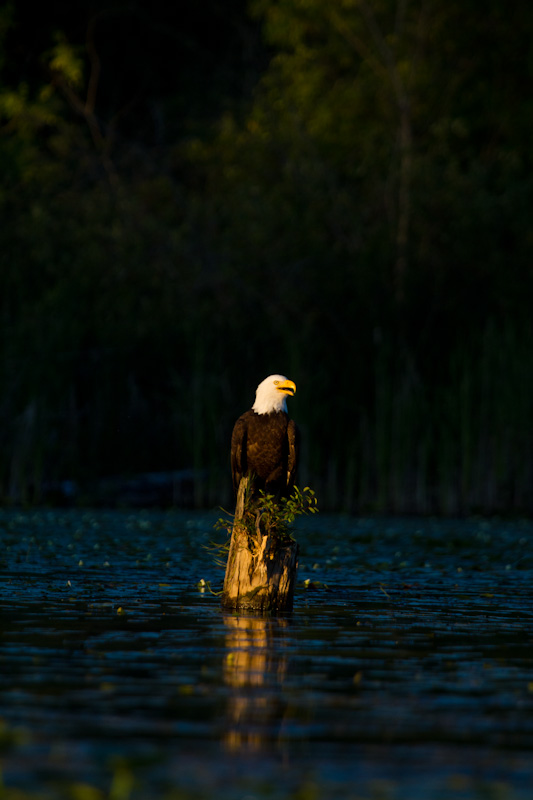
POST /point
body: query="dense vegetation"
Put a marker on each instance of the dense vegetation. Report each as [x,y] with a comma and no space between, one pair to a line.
[192,198]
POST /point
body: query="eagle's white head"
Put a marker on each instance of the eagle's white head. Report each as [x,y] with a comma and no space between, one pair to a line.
[271,394]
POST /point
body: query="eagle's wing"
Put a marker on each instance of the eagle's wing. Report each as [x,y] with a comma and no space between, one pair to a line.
[238,451]
[293,435]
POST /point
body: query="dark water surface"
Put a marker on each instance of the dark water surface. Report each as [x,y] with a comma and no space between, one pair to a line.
[405,670]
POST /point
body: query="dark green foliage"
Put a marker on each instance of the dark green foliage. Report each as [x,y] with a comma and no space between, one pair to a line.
[347,200]
[275,517]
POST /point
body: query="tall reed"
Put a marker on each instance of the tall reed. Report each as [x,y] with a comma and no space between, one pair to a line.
[405,445]
[464,446]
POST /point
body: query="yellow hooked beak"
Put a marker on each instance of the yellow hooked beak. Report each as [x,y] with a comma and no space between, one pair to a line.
[286,387]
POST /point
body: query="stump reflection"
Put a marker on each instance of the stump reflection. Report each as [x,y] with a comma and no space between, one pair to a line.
[254,670]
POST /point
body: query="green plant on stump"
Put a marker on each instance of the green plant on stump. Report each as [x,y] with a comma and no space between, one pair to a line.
[265,514]
[276,517]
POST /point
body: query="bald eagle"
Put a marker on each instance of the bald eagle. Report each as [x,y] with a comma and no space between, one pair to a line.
[265,442]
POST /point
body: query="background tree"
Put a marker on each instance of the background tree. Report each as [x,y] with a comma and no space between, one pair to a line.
[340,191]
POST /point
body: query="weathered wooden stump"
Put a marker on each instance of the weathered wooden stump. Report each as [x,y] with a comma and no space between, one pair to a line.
[261,568]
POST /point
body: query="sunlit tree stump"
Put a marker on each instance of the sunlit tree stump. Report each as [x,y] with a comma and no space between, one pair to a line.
[261,569]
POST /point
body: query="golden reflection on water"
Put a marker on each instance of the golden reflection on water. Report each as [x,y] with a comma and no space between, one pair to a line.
[254,669]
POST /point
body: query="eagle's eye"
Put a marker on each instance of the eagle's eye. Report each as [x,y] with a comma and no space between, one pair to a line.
[276,383]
